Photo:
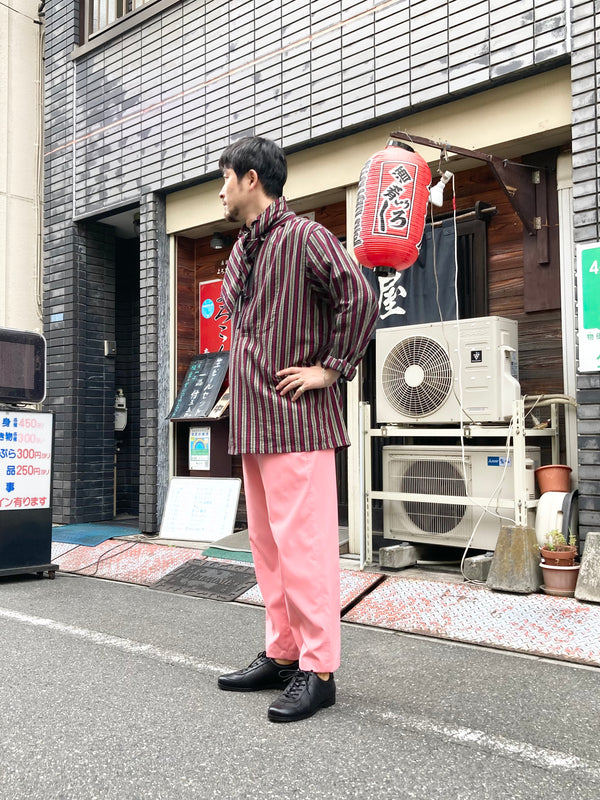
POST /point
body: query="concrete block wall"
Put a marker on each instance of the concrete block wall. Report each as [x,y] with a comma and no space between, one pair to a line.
[586,222]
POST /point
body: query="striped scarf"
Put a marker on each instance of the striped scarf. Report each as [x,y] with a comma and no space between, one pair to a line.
[237,283]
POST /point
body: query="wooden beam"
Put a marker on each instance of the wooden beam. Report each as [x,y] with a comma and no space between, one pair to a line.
[524,185]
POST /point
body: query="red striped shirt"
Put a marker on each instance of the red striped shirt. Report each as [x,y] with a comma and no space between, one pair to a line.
[304,300]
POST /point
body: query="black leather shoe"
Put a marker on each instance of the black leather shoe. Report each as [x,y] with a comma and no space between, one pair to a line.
[262,673]
[305,695]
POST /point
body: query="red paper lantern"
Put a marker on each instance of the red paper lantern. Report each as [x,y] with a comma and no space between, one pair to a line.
[391,206]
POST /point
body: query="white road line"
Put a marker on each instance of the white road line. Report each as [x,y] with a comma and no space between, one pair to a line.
[498,745]
[115,642]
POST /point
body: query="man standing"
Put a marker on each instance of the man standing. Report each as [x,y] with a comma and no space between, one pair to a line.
[302,316]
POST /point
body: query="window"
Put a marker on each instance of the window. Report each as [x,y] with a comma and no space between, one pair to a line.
[100,21]
[99,14]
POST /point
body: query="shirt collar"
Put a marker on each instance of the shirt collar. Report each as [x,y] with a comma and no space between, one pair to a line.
[265,221]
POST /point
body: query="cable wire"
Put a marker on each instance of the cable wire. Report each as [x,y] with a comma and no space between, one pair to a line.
[103,557]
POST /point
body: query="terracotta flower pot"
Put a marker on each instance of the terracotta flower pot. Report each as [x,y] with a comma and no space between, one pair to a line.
[563,556]
[560,581]
[554,478]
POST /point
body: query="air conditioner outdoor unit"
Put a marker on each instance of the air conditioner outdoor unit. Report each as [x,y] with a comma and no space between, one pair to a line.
[487,475]
[426,373]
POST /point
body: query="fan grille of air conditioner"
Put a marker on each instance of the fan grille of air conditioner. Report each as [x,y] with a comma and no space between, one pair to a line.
[417,376]
[432,476]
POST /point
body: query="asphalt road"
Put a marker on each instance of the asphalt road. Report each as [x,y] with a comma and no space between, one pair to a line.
[109,691]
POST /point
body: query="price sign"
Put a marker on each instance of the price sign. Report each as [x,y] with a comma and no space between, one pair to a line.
[200,509]
[25,460]
[588,306]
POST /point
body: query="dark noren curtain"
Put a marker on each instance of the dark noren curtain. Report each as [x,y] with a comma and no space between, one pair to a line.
[423,292]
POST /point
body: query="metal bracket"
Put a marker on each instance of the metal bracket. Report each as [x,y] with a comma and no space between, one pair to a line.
[524,185]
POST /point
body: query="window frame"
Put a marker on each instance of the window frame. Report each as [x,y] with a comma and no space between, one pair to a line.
[89,41]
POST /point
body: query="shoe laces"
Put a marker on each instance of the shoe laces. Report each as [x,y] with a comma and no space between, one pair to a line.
[258,660]
[285,670]
[297,685]
[260,657]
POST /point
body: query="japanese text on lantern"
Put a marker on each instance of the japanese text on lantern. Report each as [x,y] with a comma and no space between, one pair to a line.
[396,199]
[25,460]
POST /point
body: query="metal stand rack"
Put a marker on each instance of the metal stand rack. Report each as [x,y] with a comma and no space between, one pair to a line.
[515,432]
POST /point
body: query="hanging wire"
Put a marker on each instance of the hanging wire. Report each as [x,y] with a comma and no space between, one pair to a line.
[444,156]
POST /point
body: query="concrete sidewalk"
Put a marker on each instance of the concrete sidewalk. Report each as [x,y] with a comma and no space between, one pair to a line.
[427,601]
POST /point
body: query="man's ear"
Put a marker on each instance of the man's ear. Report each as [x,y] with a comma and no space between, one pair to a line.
[252,177]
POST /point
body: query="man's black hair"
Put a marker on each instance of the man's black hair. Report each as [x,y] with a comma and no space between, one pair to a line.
[261,155]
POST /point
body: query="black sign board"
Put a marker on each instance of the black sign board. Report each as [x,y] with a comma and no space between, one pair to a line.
[201,386]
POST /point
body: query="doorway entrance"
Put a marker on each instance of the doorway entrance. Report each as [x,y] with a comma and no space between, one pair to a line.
[127,378]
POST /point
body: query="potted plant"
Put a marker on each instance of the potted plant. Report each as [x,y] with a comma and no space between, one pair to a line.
[557,551]
[559,565]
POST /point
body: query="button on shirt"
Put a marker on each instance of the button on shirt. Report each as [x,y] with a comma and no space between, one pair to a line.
[296,298]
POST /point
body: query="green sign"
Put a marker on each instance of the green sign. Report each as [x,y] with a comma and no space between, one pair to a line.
[588,302]
[590,287]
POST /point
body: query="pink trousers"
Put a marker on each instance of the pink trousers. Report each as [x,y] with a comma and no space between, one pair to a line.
[291,499]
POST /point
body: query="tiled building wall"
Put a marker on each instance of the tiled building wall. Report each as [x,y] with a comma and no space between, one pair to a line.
[127,373]
[156,105]
[81,378]
[154,361]
[79,305]
[586,200]
[95,266]
[63,251]
[151,110]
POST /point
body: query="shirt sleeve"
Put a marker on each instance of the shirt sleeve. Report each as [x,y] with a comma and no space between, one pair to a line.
[335,275]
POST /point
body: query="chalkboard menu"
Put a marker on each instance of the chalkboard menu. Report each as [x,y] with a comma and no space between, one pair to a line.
[201,386]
